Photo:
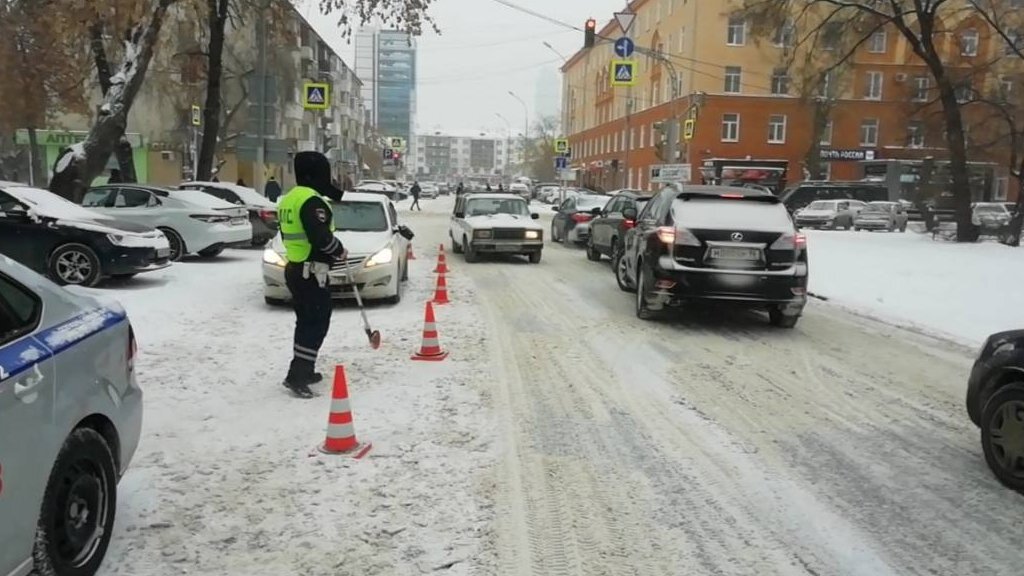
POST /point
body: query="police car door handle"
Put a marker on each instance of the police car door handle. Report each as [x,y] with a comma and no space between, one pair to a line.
[27,386]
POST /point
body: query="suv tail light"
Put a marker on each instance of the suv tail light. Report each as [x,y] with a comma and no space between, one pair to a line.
[677,236]
[628,224]
[790,242]
[580,217]
[268,215]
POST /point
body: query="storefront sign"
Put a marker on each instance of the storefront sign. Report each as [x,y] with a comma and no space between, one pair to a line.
[63,139]
[850,155]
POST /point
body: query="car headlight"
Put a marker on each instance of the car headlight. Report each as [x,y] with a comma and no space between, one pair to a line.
[482,234]
[383,257]
[532,234]
[116,239]
[273,258]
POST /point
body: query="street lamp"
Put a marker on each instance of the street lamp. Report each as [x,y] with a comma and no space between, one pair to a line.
[552,48]
[526,125]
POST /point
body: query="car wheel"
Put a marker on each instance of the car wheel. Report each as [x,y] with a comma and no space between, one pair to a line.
[1002,435]
[274,301]
[178,248]
[535,257]
[468,251]
[782,320]
[77,517]
[211,252]
[456,249]
[619,267]
[592,254]
[856,229]
[75,264]
[262,243]
[642,311]
[397,297]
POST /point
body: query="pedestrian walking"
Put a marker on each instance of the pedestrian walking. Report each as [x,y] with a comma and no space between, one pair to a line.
[415,191]
[307,228]
[488,187]
[272,190]
[115,177]
[459,190]
[501,189]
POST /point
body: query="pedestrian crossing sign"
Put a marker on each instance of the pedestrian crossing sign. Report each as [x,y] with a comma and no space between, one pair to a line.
[316,96]
[623,73]
[561,145]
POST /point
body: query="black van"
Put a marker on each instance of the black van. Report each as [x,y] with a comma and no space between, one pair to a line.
[799,196]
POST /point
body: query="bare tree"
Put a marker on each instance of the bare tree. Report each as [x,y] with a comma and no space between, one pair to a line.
[540,151]
[922,24]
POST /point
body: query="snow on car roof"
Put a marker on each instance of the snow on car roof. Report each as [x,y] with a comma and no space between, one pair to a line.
[249,195]
[47,203]
[495,196]
[364,197]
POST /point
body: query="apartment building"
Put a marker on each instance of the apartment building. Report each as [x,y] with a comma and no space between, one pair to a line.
[747,105]
[160,125]
[452,156]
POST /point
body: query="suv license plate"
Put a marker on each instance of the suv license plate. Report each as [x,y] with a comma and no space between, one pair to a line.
[507,248]
[735,254]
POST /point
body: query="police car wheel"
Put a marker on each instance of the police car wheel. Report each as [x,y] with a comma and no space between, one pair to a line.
[177,244]
[79,506]
[75,264]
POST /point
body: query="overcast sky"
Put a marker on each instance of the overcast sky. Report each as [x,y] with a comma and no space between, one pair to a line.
[485,49]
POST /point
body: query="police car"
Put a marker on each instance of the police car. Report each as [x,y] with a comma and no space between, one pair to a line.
[70,418]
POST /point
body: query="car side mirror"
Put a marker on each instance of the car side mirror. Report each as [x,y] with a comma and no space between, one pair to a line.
[460,214]
[534,215]
[554,208]
[629,214]
[405,231]
[597,211]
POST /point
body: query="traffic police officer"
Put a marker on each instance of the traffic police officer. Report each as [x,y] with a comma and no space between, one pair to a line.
[307,228]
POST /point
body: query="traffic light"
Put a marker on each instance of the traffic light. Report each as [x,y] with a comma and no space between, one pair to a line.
[589,33]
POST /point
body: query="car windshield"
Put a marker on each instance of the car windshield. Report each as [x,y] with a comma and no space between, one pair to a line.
[588,203]
[360,217]
[821,205]
[489,206]
[990,209]
[878,208]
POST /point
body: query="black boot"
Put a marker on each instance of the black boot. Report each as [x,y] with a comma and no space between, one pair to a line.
[300,376]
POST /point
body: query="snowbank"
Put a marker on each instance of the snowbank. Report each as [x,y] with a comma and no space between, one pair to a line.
[964,291]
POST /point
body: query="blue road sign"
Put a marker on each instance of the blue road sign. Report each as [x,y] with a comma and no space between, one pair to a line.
[561,163]
[624,47]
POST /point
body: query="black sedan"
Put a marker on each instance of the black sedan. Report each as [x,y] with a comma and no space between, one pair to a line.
[262,212]
[608,228]
[995,403]
[715,243]
[71,244]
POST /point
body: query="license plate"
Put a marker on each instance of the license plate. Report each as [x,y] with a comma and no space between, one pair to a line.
[735,254]
[238,221]
[507,248]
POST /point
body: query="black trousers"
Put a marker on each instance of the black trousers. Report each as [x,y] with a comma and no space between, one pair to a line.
[415,203]
[313,309]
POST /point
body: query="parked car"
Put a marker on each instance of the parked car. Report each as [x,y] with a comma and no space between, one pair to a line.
[714,243]
[608,229]
[520,189]
[377,187]
[367,225]
[73,245]
[891,216]
[495,223]
[830,214]
[572,218]
[70,420]
[995,403]
[803,194]
[193,221]
[429,190]
[262,212]
[992,218]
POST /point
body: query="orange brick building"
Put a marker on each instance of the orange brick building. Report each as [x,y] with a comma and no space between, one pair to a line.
[749,107]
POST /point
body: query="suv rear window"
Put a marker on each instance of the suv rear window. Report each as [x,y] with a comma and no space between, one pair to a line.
[739,214]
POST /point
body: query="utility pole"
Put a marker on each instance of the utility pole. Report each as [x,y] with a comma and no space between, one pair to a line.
[259,174]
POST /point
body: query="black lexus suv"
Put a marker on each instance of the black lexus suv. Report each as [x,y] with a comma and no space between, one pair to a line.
[721,243]
[995,403]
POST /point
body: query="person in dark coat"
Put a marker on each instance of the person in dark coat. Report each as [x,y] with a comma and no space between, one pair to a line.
[272,190]
[115,177]
[488,187]
[459,190]
[240,182]
[415,191]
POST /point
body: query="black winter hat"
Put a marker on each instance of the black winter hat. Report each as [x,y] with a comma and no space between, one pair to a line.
[313,169]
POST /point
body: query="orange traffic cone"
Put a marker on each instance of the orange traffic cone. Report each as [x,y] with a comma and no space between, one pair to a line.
[442,262]
[430,349]
[341,431]
[408,252]
[441,291]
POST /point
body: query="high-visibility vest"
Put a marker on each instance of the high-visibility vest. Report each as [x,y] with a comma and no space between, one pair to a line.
[296,243]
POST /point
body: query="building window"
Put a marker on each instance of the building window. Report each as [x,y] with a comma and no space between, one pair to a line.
[921,87]
[869,132]
[643,133]
[730,127]
[1002,188]
[873,88]
[1005,88]
[831,34]
[1015,44]
[877,42]
[969,43]
[915,135]
[826,134]
[964,92]
[780,82]
[652,135]
[784,35]
[737,35]
[682,40]
[825,88]
[777,129]
[733,75]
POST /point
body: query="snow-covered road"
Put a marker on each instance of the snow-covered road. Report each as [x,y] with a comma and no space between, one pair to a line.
[562,437]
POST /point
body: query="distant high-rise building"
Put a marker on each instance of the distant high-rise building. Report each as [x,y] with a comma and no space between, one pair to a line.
[386,61]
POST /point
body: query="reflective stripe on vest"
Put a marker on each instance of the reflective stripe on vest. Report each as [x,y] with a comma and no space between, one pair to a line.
[296,243]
